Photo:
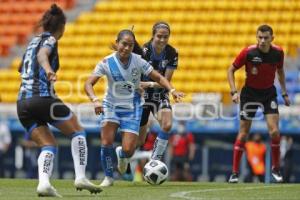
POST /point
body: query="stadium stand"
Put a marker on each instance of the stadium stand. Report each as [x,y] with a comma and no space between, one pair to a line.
[18,19]
[207,35]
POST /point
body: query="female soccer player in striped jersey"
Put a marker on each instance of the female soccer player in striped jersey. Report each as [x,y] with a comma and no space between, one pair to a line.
[38,105]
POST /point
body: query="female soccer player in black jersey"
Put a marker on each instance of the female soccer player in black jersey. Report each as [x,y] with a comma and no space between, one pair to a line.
[164,58]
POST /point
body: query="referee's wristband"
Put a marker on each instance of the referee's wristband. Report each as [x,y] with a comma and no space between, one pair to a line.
[233,92]
[284,95]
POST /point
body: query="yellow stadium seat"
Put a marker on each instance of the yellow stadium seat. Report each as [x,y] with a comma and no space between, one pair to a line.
[207,34]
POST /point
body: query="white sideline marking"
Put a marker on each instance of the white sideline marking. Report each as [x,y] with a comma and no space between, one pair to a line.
[184,193]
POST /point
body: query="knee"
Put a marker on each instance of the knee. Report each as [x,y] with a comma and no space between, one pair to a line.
[106,142]
[274,133]
[242,136]
[129,151]
[166,126]
[42,144]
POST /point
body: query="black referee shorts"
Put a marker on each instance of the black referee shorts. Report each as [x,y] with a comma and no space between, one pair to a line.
[39,111]
[252,99]
[154,106]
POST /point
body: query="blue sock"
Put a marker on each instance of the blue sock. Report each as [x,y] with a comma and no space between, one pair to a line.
[106,160]
[163,135]
[123,155]
[160,145]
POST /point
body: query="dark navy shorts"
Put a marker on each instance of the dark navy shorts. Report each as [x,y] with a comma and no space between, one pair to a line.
[39,111]
[154,106]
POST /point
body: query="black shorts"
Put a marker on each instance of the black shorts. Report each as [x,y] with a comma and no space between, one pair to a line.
[252,99]
[39,111]
[154,106]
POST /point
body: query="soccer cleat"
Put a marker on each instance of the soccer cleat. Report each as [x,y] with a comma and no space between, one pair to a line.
[277,175]
[107,181]
[47,190]
[85,184]
[234,178]
[122,162]
[128,176]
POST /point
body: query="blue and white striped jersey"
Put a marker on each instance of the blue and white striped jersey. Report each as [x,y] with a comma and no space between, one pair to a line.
[34,78]
[123,81]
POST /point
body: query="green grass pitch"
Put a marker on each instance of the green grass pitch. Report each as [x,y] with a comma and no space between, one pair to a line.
[19,189]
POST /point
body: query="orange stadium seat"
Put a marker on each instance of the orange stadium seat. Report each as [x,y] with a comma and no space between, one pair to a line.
[18,18]
[6,42]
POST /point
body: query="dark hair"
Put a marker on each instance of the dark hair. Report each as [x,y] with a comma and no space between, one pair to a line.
[160,24]
[265,28]
[124,32]
[136,48]
[53,19]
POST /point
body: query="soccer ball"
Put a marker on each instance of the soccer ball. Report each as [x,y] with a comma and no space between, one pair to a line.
[155,172]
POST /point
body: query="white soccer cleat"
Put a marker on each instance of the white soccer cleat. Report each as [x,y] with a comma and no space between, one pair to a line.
[277,176]
[122,162]
[234,178]
[85,184]
[107,181]
[47,190]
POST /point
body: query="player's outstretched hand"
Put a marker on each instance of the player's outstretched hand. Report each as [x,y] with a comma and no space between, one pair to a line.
[51,76]
[287,101]
[141,90]
[145,85]
[98,107]
[177,96]
[236,98]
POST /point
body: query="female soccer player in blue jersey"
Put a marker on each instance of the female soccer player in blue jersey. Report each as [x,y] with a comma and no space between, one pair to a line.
[164,58]
[122,104]
[38,105]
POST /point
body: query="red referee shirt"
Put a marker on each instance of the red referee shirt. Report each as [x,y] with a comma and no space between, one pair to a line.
[260,67]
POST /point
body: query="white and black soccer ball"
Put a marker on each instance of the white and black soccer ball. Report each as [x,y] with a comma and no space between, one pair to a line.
[155,172]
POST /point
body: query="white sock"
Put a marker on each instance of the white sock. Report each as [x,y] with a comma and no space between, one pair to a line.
[45,166]
[79,153]
[159,148]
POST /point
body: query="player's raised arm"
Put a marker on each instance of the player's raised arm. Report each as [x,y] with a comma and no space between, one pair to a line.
[150,84]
